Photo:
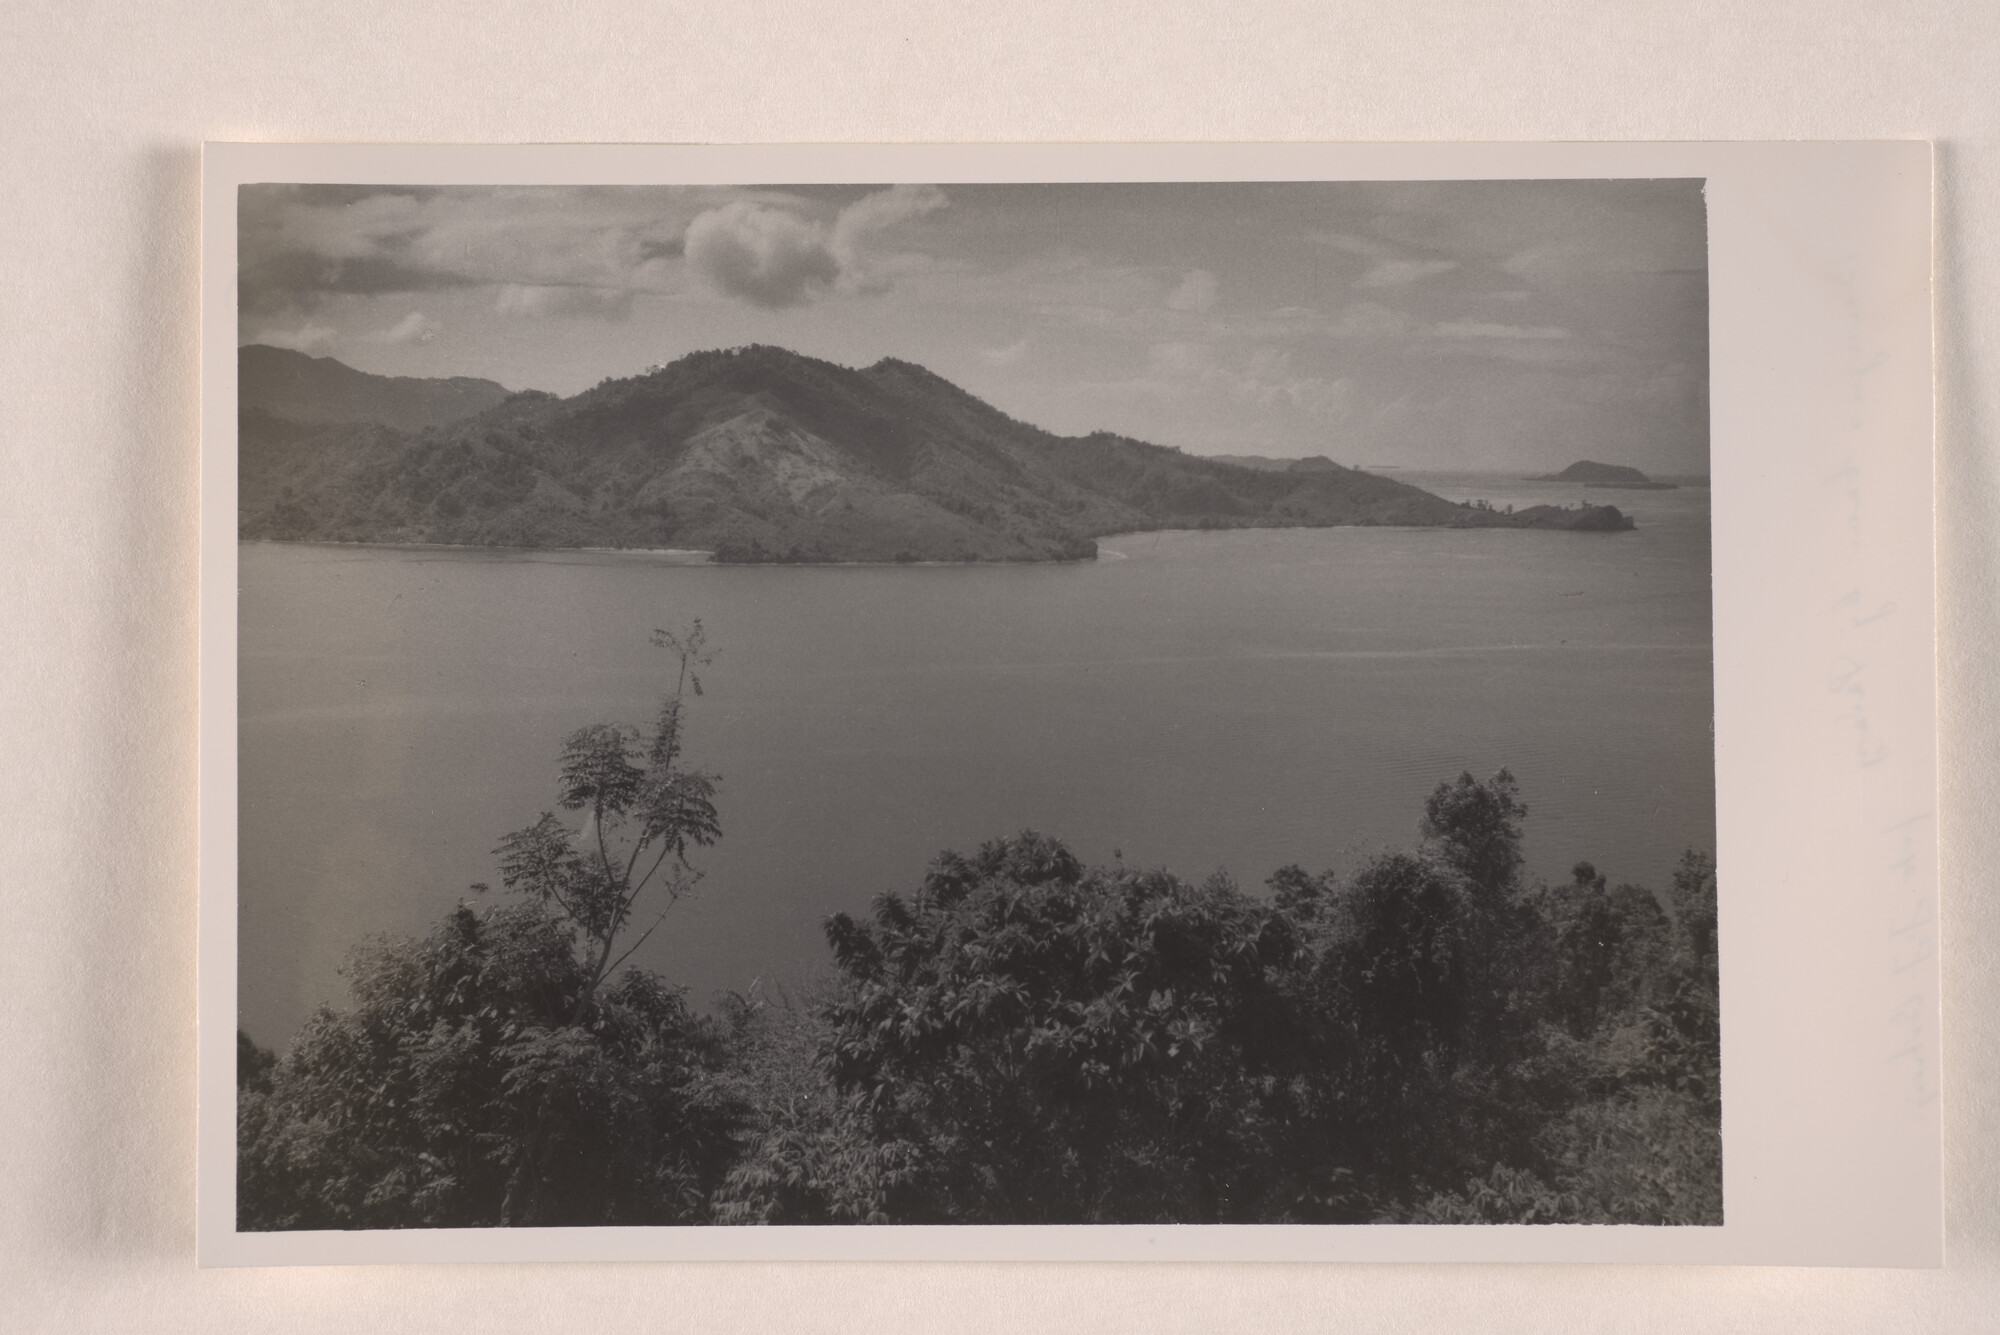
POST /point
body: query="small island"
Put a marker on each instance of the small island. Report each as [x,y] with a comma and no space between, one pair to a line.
[1593,474]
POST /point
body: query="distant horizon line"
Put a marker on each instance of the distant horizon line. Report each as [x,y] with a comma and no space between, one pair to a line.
[1421,468]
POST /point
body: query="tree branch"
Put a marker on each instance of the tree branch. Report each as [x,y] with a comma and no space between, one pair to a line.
[643,935]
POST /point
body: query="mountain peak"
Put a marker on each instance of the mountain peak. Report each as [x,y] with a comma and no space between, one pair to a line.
[760,453]
[898,366]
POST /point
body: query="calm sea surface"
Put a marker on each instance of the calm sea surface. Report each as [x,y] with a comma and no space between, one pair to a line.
[1198,701]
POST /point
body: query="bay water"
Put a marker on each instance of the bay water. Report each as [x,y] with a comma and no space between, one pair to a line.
[1228,701]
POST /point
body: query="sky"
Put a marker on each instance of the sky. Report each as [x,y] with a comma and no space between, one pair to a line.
[1444,325]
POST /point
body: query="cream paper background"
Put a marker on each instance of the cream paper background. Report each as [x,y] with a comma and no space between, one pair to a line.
[98,419]
[1821,392]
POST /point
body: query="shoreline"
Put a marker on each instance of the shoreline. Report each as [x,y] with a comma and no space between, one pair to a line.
[695,556]
[672,555]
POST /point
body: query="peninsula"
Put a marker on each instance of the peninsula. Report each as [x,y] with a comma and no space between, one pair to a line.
[758,454]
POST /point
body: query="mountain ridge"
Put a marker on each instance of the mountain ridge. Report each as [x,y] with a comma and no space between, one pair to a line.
[762,454]
[319,390]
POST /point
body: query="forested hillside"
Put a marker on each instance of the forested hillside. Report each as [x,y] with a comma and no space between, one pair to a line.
[760,454]
[278,382]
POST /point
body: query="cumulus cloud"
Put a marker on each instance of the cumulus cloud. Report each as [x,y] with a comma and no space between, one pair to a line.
[577,252]
[1197,292]
[344,227]
[303,246]
[1487,329]
[308,338]
[416,327]
[298,245]
[766,256]
[1267,378]
[853,232]
[773,256]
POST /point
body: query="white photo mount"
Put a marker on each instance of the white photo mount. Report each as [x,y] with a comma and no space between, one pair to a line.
[1821,430]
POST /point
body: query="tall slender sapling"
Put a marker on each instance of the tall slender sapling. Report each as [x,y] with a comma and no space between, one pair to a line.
[643,808]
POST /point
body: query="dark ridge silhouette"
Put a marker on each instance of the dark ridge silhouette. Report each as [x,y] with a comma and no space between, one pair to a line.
[299,388]
[760,454]
[1592,474]
[1312,463]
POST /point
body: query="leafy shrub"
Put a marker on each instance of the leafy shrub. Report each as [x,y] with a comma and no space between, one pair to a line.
[459,1092]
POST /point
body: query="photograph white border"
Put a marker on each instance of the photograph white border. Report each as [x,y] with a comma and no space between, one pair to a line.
[1820,455]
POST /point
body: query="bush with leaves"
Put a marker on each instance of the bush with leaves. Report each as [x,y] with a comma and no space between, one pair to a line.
[1422,983]
[1028,1040]
[1382,991]
[1618,1089]
[810,1155]
[466,1089]
[502,1070]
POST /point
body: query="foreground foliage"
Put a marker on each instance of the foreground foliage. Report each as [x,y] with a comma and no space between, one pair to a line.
[465,1089]
[1025,1039]
[1028,1040]
[502,1070]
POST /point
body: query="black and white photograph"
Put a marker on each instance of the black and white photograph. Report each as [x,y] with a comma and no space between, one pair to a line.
[1015,704]
[1113,703]
[1093,669]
